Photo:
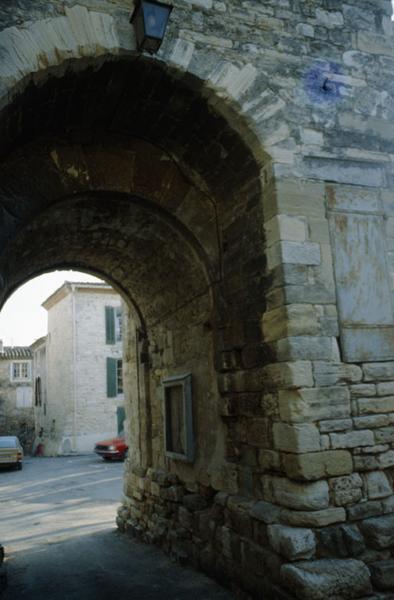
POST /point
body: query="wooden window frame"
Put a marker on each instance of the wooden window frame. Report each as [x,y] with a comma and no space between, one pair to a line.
[185,381]
[20,363]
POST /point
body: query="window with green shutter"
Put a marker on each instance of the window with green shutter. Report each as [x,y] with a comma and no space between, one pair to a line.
[112,373]
[109,325]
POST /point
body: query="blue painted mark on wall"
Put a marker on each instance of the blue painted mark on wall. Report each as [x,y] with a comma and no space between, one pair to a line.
[321,84]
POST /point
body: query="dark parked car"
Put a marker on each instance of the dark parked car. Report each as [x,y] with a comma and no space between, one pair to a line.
[113,449]
[11,452]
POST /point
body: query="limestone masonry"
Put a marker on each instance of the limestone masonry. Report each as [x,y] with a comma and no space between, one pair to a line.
[237,189]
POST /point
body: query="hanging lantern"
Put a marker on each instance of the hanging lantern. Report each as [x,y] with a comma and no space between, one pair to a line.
[150,19]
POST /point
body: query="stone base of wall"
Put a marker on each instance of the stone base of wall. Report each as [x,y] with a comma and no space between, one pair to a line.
[249,544]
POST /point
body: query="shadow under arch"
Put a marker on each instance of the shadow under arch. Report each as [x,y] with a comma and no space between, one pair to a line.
[139,97]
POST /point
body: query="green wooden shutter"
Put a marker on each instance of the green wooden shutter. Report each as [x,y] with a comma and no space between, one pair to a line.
[111,377]
[118,317]
[109,325]
[121,415]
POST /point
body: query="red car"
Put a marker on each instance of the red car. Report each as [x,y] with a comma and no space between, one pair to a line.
[114,449]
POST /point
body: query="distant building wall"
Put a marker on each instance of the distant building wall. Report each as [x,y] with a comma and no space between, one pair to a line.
[83,402]
[58,421]
[96,414]
[16,395]
[39,349]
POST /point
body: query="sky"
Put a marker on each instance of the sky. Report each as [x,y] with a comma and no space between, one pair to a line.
[22,319]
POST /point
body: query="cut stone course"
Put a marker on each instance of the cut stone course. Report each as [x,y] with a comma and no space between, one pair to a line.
[328,578]
[298,253]
[292,320]
[291,542]
[382,574]
[347,489]
[385,389]
[317,465]
[384,435]
[378,371]
[379,531]
[289,375]
[316,518]
[300,496]
[386,459]
[371,421]
[296,438]
[376,405]
[314,404]
[335,425]
[363,390]
[306,347]
[330,374]
[377,485]
[352,439]
[364,510]
[265,512]
[341,540]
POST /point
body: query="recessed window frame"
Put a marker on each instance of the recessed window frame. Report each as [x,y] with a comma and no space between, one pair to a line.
[184,381]
[18,377]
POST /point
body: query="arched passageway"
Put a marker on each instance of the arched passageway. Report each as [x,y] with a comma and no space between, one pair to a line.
[124,167]
[112,155]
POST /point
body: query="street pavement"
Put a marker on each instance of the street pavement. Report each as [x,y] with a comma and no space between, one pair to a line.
[57,524]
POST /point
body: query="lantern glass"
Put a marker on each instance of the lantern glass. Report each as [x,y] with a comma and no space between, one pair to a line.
[150,19]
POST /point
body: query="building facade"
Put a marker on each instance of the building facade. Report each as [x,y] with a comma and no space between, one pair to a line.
[238,188]
[78,378]
[16,394]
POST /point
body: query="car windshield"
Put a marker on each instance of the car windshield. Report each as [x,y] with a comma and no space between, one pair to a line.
[8,442]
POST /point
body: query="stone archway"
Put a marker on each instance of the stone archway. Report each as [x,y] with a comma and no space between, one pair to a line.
[305,443]
[149,185]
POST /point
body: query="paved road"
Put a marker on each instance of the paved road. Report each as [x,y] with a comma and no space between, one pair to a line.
[57,526]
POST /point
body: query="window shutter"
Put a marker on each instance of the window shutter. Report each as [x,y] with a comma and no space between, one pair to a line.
[118,325]
[121,416]
[111,377]
[109,325]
